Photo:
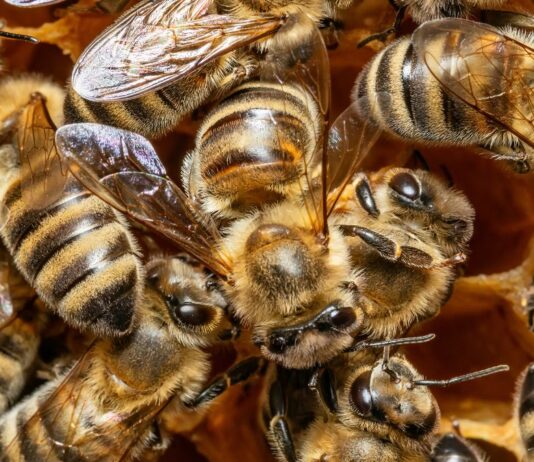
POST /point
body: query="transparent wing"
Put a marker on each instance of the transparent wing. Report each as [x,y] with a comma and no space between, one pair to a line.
[123,169]
[42,177]
[68,423]
[157,43]
[489,71]
[350,140]
[7,310]
[302,67]
[32,3]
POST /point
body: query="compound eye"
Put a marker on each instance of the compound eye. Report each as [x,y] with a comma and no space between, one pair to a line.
[191,314]
[360,395]
[342,318]
[406,185]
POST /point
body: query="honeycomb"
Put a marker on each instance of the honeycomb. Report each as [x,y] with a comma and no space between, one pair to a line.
[484,322]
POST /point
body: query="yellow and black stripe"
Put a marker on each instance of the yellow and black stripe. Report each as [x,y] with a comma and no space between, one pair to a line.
[255,141]
[525,411]
[79,256]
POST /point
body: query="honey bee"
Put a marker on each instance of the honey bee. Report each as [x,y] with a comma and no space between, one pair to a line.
[397,208]
[456,82]
[74,249]
[106,407]
[451,447]
[523,411]
[285,268]
[21,325]
[171,57]
[373,411]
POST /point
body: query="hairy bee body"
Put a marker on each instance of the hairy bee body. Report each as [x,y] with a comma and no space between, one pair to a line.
[525,411]
[159,112]
[105,407]
[427,10]
[251,147]
[409,208]
[399,93]
[77,252]
[19,343]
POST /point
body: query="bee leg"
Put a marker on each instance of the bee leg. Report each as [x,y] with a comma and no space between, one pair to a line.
[391,250]
[240,372]
[514,154]
[244,68]
[278,425]
[394,29]
[323,382]
[364,194]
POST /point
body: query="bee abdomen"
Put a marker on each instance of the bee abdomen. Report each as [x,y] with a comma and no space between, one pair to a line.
[398,93]
[18,348]
[263,126]
[79,256]
[526,411]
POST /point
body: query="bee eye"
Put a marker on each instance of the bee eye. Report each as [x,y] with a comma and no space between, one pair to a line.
[360,395]
[190,314]
[342,317]
[406,185]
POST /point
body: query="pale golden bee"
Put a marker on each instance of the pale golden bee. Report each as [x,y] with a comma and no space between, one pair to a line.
[106,407]
[456,82]
[74,249]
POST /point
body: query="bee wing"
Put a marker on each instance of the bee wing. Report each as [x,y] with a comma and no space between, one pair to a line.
[123,169]
[486,69]
[303,64]
[42,176]
[350,140]
[7,310]
[157,43]
[58,425]
[32,3]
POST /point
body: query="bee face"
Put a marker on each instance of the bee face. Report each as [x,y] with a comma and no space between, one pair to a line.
[420,197]
[182,300]
[390,398]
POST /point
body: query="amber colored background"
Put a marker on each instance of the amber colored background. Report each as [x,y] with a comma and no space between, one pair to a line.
[482,325]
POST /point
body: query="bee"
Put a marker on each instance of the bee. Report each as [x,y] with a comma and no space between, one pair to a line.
[372,411]
[452,447]
[285,268]
[106,407]
[393,209]
[456,82]
[74,249]
[171,57]
[523,410]
[21,324]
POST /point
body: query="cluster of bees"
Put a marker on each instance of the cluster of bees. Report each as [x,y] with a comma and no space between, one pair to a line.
[278,232]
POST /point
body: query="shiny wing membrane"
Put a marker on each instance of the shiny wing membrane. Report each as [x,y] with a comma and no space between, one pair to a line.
[490,71]
[6,301]
[123,169]
[157,43]
[68,425]
[350,141]
[42,176]
[303,64]
[32,3]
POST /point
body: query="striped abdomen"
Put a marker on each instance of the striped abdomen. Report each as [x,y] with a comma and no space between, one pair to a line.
[19,342]
[159,112]
[398,93]
[63,422]
[251,147]
[78,255]
[525,411]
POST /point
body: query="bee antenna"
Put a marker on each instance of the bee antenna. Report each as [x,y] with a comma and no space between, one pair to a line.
[462,378]
[363,344]
[13,36]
